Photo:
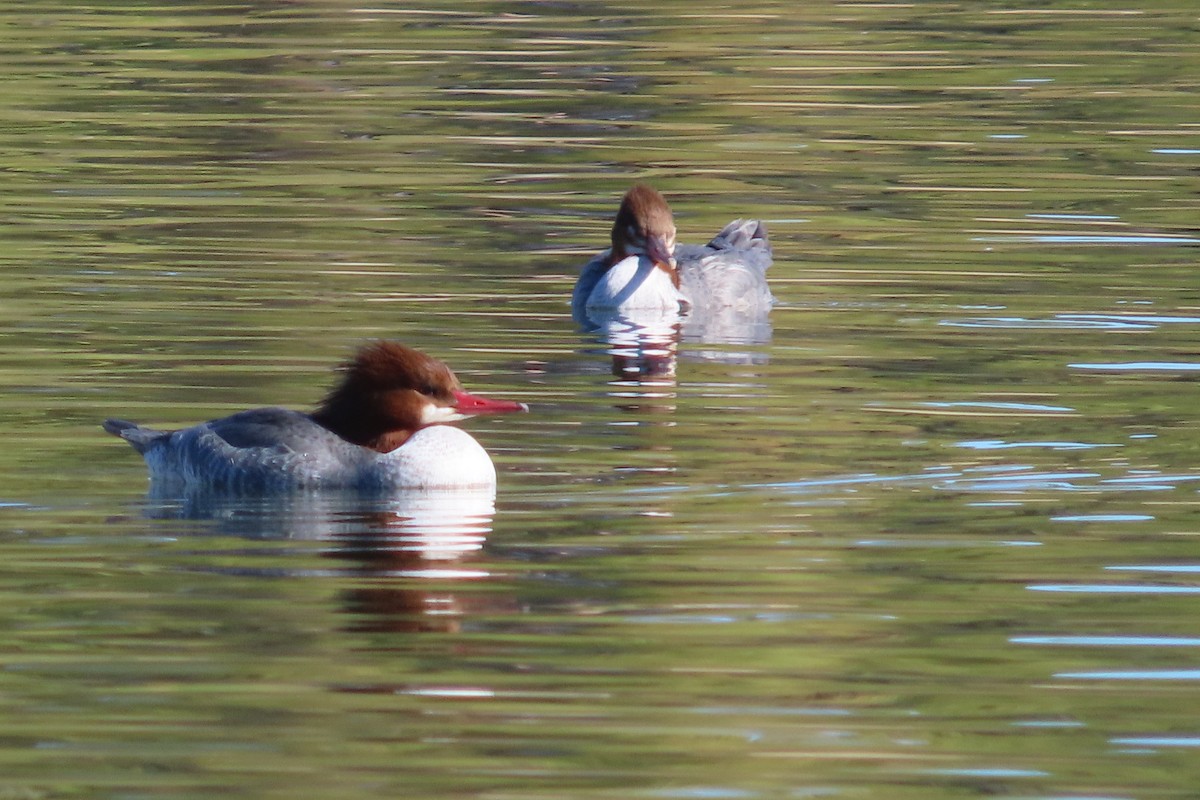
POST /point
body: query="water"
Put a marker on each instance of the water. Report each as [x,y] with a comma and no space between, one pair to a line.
[933,538]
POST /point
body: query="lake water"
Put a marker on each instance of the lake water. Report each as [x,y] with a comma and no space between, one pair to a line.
[933,537]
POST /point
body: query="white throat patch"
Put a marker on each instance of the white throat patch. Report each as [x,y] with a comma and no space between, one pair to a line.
[434,414]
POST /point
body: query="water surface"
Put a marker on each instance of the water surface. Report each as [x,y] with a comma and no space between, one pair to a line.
[931,536]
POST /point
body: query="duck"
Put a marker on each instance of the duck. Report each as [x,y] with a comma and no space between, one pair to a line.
[646,271]
[381,427]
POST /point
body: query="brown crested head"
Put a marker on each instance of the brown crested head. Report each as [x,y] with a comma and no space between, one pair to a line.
[644,226]
[388,391]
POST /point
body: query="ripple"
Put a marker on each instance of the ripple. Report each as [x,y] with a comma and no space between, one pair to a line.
[1055,323]
[1135,675]
[1111,588]
[997,478]
[990,773]
[1135,480]
[775,711]
[1109,641]
[1158,741]
[941,543]
[1132,322]
[1007,406]
[704,793]
[450,691]
[1149,319]
[1058,481]
[1088,217]
[1142,366]
[1103,518]
[1081,239]
[851,480]
[683,619]
[1170,568]
[999,444]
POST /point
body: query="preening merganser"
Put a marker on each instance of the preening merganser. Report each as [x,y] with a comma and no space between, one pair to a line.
[645,270]
[379,428]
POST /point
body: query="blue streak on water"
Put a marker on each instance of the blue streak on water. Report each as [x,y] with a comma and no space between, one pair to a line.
[1141,481]
[682,619]
[1050,324]
[1000,468]
[704,793]
[1135,675]
[1152,319]
[851,480]
[1005,406]
[998,444]
[1145,366]
[990,773]
[1073,216]
[1169,568]
[1103,518]
[1158,741]
[1078,239]
[1023,482]
[775,711]
[926,543]
[1111,588]
[1109,641]
[990,478]
[1175,151]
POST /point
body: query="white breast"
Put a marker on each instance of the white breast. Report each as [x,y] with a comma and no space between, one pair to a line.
[440,456]
[634,283]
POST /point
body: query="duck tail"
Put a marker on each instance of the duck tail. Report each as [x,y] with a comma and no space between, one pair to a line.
[140,438]
[742,234]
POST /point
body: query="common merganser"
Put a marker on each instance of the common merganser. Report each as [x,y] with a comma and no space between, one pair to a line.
[379,428]
[645,270]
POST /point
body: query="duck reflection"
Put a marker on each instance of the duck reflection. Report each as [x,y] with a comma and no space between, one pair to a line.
[644,349]
[401,553]
[646,345]
[406,551]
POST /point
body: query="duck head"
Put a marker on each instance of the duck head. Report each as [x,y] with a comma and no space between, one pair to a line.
[389,391]
[645,226]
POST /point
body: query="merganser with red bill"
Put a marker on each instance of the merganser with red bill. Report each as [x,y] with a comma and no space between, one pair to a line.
[646,270]
[381,427]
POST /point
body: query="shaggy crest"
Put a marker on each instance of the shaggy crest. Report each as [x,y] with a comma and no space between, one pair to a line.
[385,365]
[383,393]
[645,225]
